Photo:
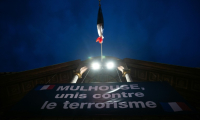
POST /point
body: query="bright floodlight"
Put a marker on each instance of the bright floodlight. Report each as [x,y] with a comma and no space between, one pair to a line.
[110,65]
[95,66]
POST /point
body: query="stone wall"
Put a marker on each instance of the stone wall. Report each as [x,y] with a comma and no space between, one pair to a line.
[185,80]
[14,86]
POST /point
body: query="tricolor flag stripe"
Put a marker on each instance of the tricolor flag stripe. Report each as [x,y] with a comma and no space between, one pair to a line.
[183,106]
[45,87]
[50,87]
[174,106]
[38,87]
[166,107]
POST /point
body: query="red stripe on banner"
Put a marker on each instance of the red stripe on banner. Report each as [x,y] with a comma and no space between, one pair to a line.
[50,87]
[183,106]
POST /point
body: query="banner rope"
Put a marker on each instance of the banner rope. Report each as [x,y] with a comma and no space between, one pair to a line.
[51,79]
[118,75]
[85,76]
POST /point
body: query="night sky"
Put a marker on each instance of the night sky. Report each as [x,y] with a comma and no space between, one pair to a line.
[38,33]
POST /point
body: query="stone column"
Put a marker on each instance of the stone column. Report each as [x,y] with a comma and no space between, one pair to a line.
[125,73]
[128,79]
[75,79]
[79,74]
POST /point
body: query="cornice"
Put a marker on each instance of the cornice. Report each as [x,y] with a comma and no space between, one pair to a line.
[162,67]
[21,76]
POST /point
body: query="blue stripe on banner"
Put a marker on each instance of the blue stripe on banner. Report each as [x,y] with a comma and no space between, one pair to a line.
[166,107]
[39,87]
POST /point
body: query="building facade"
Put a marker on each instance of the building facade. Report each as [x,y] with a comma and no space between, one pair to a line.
[186,81]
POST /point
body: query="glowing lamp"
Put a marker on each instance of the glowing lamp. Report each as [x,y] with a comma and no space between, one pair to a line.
[110,65]
[96,66]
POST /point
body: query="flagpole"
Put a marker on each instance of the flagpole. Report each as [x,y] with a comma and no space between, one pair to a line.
[101,52]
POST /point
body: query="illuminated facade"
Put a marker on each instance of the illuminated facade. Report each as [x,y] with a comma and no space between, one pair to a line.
[185,80]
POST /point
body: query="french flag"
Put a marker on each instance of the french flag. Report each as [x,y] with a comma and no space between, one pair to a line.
[100,25]
[45,87]
[175,106]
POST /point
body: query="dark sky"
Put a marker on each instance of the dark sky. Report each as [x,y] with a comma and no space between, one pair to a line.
[38,33]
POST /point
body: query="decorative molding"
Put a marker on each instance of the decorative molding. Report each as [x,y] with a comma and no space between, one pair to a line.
[53,78]
[153,76]
[182,83]
[64,76]
[167,78]
[133,72]
[13,89]
[27,86]
[162,67]
[142,75]
[196,86]
[41,80]
[39,72]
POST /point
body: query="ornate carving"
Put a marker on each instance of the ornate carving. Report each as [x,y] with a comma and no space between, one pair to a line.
[13,89]
[153,76]
[133,72]
[70,74]
[182,83]
[79,75]
[41,81]
[126,71]
[196,86]
[27,86]
[167,78]
[53,79]
[142,75]
[64,76]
